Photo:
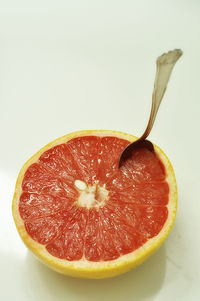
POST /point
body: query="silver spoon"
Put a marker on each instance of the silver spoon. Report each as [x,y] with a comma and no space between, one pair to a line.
[164,67]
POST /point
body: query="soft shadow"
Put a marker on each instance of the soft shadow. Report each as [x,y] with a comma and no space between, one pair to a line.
[142,283]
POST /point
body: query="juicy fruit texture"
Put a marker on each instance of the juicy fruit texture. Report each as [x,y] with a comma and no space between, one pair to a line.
[117,212]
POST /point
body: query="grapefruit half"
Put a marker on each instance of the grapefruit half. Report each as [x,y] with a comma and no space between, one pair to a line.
[83,216]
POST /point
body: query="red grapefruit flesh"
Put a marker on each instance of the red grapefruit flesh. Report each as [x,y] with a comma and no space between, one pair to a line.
[134,211]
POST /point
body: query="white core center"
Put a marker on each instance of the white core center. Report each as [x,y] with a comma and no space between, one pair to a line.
[91,196]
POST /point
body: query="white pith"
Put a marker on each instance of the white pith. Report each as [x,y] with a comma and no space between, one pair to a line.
[91,196]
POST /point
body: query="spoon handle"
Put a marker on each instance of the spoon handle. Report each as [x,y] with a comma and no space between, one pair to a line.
[164,66]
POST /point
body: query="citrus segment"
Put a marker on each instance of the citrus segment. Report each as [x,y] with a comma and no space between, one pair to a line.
[60,162]
[108,157]
[146,167]
[69,244]
[43,230]
[33,205]
[85,151]
[142,193]
[125,236]
[98,242]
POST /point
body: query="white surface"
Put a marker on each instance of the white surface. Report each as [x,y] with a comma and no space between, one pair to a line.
[69,65]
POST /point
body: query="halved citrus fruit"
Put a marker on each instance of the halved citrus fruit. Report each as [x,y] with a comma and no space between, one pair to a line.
[83,216]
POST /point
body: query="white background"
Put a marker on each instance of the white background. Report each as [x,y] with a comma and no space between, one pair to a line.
[72,65]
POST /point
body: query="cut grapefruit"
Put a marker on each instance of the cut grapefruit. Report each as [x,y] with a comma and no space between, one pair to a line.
[83,216]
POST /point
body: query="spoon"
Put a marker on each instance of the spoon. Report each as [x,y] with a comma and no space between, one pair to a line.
[164,66]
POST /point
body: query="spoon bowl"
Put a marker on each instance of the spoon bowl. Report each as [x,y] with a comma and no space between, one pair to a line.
[139,143]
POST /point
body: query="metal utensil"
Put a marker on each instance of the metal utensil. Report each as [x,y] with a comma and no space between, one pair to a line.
[164,66]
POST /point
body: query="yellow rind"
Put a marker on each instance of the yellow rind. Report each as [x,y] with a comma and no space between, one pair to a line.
[84,268]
